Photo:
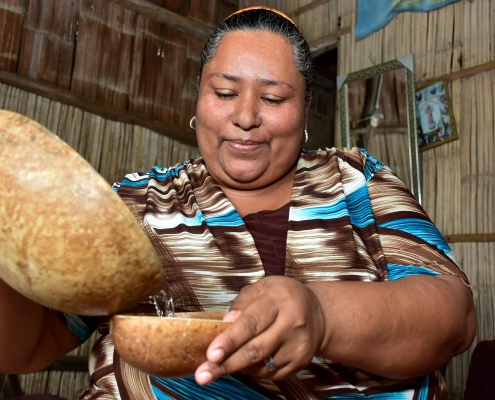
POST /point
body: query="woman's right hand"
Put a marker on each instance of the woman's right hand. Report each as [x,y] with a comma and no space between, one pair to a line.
[276,317]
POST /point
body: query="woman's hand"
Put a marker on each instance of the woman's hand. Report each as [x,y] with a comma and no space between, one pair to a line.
[276,316]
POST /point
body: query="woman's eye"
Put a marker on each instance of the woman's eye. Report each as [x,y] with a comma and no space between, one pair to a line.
[272,101]
[225,96]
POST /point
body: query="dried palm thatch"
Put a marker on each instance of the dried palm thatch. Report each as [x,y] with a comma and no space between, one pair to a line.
[112,148]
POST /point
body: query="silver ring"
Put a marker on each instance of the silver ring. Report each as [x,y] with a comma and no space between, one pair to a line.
[270,364]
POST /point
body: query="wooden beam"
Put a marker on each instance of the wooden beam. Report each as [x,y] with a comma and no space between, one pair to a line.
[202,31]
[328,42]
[385,130]
[147,9]
[471,238]
[101,109]
[307,7]
[459,74]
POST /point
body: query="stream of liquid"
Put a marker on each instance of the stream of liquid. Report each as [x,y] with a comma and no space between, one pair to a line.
[164,303]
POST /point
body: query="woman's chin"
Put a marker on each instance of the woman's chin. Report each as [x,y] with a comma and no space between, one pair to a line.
[245,178]
[244,172]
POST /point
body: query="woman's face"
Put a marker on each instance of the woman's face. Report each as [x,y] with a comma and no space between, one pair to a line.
[251,111]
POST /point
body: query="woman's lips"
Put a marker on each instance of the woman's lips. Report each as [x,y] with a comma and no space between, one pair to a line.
[244,145]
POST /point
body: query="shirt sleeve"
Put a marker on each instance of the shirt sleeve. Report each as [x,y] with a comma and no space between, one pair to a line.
[411,243]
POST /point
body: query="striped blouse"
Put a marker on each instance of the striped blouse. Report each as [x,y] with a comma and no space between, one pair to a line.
[350,218]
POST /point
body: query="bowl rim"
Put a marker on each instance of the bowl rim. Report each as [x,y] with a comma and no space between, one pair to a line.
[178,317]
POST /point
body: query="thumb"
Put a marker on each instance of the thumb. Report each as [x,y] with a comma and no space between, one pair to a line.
[245,297]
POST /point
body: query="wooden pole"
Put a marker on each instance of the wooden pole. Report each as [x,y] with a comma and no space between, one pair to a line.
[327,42]
[94,107]
[307,7]
[471,238]
[459,74]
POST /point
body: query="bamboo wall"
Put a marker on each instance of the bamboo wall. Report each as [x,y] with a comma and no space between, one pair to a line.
[458,177]
[112,148]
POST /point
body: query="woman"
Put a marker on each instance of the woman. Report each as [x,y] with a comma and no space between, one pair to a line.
[319,255]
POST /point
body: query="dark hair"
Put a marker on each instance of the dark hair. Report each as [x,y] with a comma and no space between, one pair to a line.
[261,19]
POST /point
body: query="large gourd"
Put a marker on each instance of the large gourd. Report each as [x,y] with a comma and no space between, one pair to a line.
[67,240]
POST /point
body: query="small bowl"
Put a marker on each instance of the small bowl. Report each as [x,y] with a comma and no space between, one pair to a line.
[166,347]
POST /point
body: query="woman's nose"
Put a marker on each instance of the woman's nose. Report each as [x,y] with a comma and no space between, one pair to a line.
[247,115]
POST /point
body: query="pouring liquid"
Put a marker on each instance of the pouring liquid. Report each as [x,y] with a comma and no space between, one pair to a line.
[164,303]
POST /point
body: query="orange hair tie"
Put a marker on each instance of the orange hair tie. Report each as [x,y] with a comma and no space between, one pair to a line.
[264,8]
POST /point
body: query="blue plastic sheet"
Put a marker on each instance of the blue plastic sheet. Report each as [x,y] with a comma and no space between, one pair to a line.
[373,15]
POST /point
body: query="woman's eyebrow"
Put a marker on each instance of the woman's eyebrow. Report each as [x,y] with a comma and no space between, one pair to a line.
[231,78]
[271,82]
[262,81]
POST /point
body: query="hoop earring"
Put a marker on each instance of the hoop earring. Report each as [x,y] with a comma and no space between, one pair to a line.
[306,136]
[191,123]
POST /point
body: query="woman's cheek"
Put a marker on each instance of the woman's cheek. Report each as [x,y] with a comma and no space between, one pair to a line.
[214,112]
[285,122]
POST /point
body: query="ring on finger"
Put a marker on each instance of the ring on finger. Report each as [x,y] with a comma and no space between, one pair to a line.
[270,364]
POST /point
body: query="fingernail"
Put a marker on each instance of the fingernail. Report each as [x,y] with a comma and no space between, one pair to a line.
[230,316]
[216,355]
[204,378]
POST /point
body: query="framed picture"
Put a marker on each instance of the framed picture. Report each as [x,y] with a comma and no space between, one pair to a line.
[436,124]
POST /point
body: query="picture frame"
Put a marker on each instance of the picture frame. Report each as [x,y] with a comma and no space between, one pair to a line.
[435,119]
[405,66]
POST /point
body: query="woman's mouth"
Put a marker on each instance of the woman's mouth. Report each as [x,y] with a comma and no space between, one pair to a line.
[244,145]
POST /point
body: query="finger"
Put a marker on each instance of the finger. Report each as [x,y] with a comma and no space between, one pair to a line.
[210,372]
[285,367]
[253,352]
[251,322]
[292,354]
[260,370]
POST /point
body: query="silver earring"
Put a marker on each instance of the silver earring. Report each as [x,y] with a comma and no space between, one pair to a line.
[306,136]
[191,123]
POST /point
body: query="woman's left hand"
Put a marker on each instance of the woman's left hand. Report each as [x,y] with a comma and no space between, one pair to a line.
[276,316]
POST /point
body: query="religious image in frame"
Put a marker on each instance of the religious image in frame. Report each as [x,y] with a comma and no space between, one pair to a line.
[436,123]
